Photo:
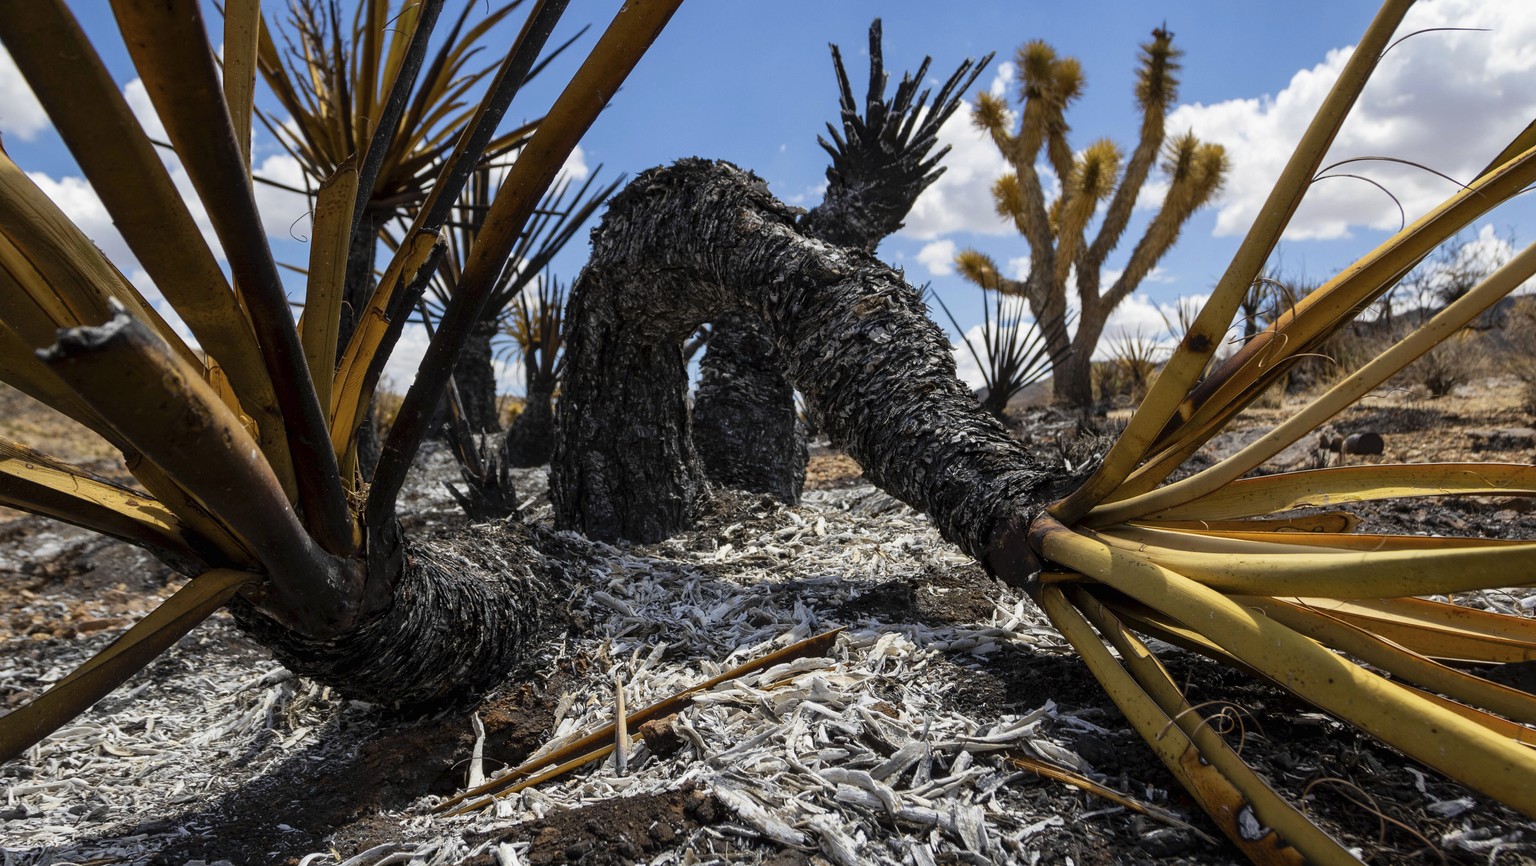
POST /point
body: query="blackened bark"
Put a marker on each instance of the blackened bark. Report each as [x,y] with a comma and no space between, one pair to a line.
[463,613]
[624,466]
[531,439]
[744,423]
[475,376]
[687,243]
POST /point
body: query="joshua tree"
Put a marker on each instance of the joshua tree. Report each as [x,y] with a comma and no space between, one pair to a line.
[1057,233]
[744,419]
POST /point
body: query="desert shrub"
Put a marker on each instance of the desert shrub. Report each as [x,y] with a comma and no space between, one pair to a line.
[1514,349]
[1459,360]
[1122,378]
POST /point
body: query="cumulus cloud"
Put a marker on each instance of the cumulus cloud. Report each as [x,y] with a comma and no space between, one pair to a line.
[1431,97]
[575,166]
[938,257]
[966,367]
[283,213]
[1018,269]
[961,199]
[20,113]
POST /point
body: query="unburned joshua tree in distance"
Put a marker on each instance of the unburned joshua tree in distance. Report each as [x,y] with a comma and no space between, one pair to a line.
[1062,256]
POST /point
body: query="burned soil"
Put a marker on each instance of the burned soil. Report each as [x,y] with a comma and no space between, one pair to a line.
[892,747]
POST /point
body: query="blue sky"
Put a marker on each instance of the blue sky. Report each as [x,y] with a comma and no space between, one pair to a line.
[752,83]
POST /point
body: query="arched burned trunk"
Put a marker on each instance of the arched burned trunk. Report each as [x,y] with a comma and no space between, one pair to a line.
[693,241]
[747,431]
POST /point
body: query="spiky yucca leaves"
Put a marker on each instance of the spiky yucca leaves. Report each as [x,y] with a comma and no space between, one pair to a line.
[334,81]
[561,213]
[1100,179]
[244,467]
[1217,563]
[883,158]
[1012,355]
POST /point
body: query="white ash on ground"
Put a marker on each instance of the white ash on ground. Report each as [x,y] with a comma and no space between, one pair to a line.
[873,753]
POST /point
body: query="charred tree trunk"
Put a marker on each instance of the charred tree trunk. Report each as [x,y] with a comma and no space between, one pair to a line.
[531,438]
[475,376]
[681,245]
[744,423]
[697,240]
[463,612]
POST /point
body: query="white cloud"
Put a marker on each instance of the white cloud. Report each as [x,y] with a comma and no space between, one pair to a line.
[1018,269]
[961,199]
[1002,79]
[283,213]
[966,367]
[938,257]
[20,113]
[1431,97]
[575,166]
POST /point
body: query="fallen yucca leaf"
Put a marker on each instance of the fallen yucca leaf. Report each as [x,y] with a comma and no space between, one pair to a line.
[601,742]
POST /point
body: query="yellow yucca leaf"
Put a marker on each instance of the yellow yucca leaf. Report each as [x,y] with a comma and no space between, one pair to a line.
[1187,364]
[1493,724]
[1235,798]
[353,390]
[1435,629]
[21,369]
[241,25]
[600,741]
[1401,662]
[1338,398]
[57,265]
[169,47]
[1329,522]
[121,367]
[34,482]
[108,669]
[1361,541]
[1267,568]
[83,100]
[1268,494]
[323,297]
[1456,747]
[1299,328]
[1154,624]
[1525,140]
